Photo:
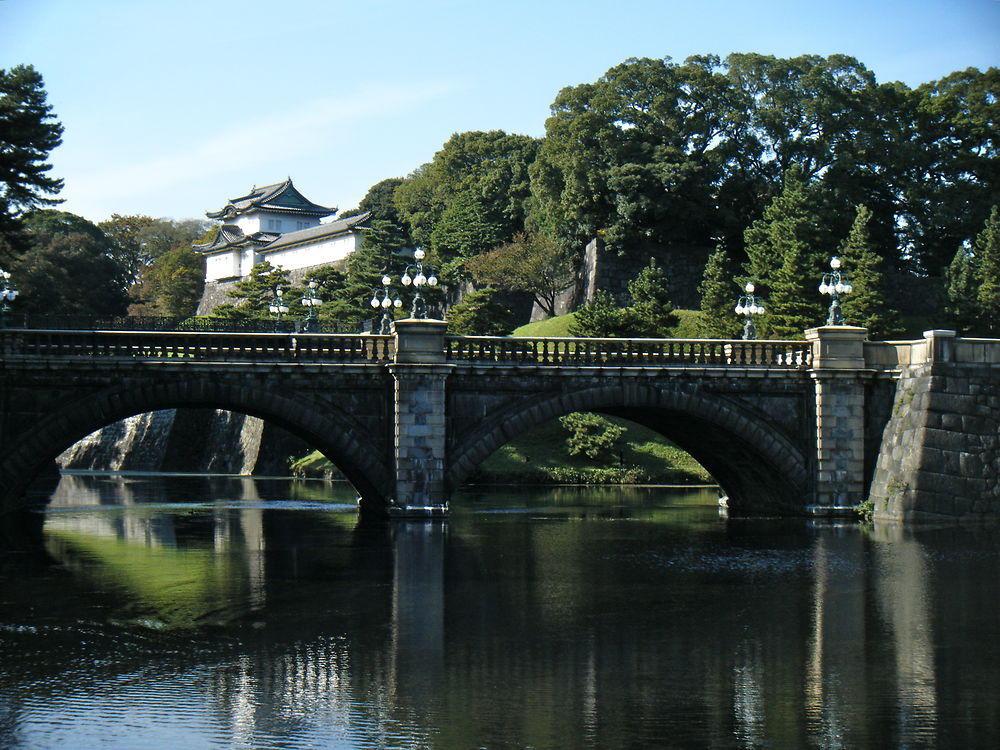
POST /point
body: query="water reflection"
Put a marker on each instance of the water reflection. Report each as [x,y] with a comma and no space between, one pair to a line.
[261,614]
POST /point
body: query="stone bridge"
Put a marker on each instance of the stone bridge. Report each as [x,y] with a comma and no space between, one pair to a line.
[786,427]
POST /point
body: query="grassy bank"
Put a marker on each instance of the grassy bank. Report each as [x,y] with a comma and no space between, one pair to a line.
[539,456]
[686,328]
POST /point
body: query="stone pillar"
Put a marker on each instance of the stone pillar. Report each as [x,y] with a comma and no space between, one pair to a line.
[940,345]
[839,374]
[419,371]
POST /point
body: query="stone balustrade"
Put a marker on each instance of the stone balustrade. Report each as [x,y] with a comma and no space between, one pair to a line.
[629,352]
[197,346]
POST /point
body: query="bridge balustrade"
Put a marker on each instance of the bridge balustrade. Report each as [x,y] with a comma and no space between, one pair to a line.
[214,347]
[637,352]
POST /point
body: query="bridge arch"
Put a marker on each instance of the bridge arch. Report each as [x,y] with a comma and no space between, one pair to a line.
[337,434]
[759,467]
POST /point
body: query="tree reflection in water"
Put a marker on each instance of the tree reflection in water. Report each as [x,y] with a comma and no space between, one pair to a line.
[263,614]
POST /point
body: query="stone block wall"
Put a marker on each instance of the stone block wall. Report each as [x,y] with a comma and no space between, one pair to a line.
[940,453]
[607,271]
[217,292]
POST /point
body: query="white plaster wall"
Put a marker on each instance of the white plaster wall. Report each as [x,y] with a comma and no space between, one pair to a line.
[303,256]
[249,223]
[261,221]
[248,259]
[223,265]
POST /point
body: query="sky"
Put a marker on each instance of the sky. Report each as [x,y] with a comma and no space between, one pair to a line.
[172,107]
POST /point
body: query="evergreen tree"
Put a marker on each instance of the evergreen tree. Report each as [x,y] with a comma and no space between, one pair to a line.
[28,133]
[480,313]
[255,293]
[718,296]
[866,305]
[599,318]
[780,257]
[960,288]
[987,250]
[793,307]
[651,314]
[465,229]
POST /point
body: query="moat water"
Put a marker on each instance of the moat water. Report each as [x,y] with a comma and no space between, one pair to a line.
[195,612]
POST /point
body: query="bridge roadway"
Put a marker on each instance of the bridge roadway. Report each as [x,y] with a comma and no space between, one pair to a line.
[786,427]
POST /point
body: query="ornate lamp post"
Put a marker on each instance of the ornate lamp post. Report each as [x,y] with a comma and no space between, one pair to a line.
[311,301]
[749,305]
[418,280]
[386,303]
[835,283]
[8,293]
[277,308]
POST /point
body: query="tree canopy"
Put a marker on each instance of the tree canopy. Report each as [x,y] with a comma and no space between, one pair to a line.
[28,133]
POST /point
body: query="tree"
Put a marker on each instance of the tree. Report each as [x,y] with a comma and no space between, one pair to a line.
[176,281]
[380,200]
[632,157]
[490,168]
[792,308]
[464,230]
[867,304]
[599,318]
[62,223]
[590,434]
[255,293]
[481,313]
[28,133]
[961,291]
[950,164]
[380,252]
[783,262]
[651,314]
[718,293]
[987,251]
[69,274]
[125,234]
[533,263]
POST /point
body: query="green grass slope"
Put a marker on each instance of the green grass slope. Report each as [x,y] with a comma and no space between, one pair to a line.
[686,328]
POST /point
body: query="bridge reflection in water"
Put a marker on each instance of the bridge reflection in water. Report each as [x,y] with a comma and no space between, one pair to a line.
[549,621]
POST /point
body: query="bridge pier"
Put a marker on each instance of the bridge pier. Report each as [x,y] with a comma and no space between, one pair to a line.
[839,373]
[419,372]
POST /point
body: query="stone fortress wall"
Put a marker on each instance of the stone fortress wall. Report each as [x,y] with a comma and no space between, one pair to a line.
[940,451]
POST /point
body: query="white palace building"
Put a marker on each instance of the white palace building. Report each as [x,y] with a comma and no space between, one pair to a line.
[278,224]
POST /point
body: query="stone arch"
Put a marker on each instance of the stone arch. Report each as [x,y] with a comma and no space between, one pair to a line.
[336,433]
[759,467]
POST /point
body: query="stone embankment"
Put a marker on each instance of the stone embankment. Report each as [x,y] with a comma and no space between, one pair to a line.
[940,452]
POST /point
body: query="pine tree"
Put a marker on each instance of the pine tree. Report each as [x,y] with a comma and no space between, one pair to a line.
[782,263]
[987,274]
[599,318]
[792,308]
[255,293]
[27,135]
[651,313]
[718,297]
[960,278]
[866,305]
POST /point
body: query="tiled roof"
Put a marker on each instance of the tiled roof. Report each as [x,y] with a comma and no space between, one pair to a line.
[323,231]
[281,197]
[230,235]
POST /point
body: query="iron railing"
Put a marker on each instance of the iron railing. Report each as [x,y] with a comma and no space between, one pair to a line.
[624,352]
[197,346]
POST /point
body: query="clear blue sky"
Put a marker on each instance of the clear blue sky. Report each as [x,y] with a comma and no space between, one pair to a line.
[172,107]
